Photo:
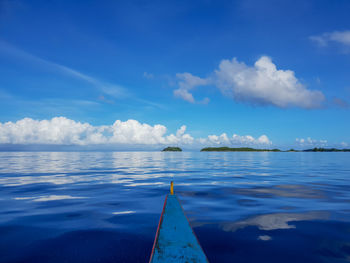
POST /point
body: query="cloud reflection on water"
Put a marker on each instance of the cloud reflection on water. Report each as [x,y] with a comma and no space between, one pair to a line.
[49,198]
[283,190]
[264,238]
[223,192]
[123,212]
[275,221]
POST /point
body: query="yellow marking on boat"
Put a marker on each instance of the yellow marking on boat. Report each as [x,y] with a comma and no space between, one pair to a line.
[171,188]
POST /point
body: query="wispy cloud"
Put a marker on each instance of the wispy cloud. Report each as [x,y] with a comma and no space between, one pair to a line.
[341,103]
[151,103]
[339,37]
[113,90]
[5,95]
[148,75]
[109,91]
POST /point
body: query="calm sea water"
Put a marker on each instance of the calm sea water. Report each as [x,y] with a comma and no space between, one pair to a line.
[105,207]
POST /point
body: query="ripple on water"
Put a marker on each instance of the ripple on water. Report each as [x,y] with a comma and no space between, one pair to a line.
[105,206]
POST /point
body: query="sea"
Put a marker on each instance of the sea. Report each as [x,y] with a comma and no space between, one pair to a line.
[243,206]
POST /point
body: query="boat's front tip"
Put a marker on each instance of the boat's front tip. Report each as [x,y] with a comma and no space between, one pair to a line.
[175,240]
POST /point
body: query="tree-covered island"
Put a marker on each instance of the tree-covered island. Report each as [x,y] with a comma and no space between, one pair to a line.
[241,149]
[172,149]
[247,149]
[327,150]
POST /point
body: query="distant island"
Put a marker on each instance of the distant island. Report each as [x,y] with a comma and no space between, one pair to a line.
[241,149]
[172,149]
[326,150]
[247,149]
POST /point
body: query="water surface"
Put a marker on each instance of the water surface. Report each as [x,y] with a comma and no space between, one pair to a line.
[105,206]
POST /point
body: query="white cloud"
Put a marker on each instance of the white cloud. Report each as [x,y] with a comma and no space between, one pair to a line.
[133,132]
[186,82]
[235,140]
[261,84]
[340,37]
[60,130]
[264,84]
[64,131]
[311,142]
[264,140]
[184,94]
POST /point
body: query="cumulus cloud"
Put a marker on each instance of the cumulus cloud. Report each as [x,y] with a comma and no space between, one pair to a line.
[187,82]
[264,84]
[261,84]
[64,131]
[340,37]
[235,139]
[311,142]
[60,130]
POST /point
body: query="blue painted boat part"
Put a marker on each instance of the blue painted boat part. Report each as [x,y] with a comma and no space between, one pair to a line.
[175,240]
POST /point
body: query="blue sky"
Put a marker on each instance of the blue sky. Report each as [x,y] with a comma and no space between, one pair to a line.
[272,68]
